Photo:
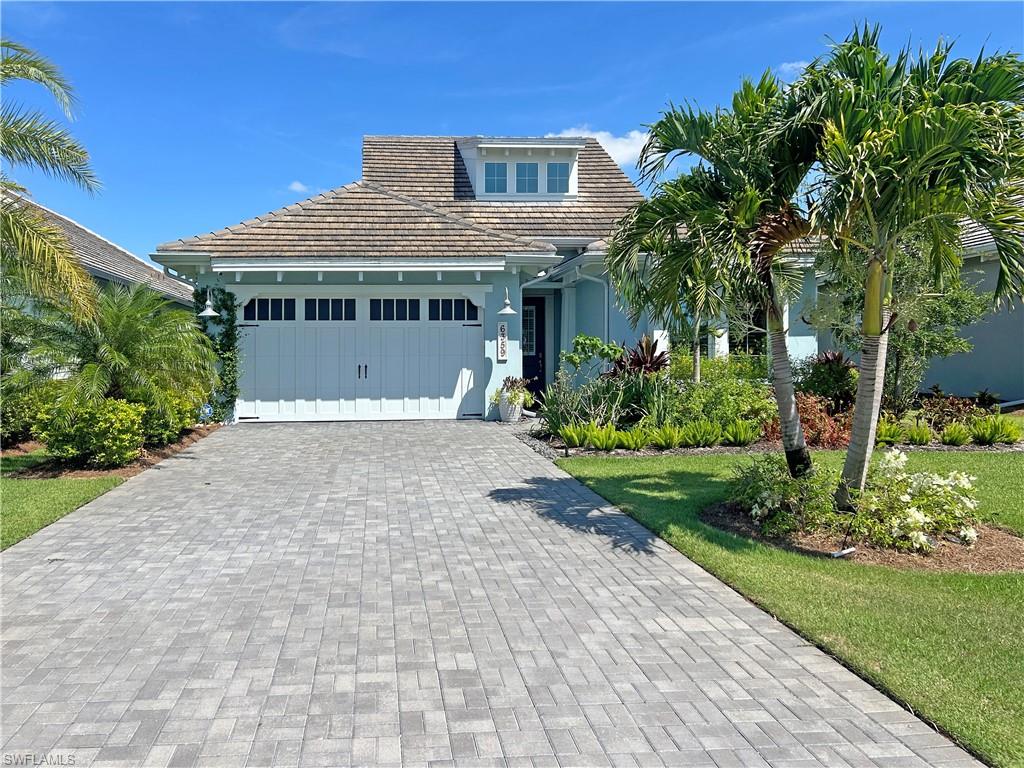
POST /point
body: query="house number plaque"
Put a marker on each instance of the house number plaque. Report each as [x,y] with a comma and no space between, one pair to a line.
[502,342]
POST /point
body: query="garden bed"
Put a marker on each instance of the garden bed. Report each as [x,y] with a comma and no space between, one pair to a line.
[996,551]
[53,469]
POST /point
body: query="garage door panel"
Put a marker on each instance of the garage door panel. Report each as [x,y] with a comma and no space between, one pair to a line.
[309,369]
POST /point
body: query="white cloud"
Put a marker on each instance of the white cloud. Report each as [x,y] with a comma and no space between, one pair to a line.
[298,186]
[790,69]
[624,149]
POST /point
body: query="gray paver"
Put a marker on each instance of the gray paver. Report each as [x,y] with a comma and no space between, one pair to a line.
[404,594]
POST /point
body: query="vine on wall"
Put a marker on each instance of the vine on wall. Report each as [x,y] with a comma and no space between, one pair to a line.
[223,333]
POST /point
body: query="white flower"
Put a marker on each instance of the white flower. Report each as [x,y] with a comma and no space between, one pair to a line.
[892,461]
[917,518]
[968,535]
[918,540]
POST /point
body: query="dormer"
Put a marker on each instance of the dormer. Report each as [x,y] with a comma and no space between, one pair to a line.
[522,170]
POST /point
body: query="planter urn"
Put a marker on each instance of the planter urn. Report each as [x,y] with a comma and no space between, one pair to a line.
[509,411]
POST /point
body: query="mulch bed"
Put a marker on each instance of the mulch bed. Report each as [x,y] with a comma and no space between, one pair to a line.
[996,551]
[150,456]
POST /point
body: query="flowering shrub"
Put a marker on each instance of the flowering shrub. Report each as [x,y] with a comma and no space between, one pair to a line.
[910,512]
[821,429]
[897,510]
[782,504]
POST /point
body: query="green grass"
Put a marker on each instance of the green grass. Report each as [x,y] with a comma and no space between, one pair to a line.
[948,645]
[28,505]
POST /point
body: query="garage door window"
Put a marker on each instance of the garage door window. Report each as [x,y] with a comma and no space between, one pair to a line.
[394,309]
[269,309]
[452,309]
[330,309]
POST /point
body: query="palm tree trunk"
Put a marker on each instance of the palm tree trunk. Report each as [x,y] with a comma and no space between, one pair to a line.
[798,458]
[696,355]
[868,405]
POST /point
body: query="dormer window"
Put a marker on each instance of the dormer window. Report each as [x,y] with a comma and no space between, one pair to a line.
[558,178]
[527,169]
[495,178]
[526,178]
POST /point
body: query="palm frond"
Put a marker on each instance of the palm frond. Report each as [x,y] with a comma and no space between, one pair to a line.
[18,62]
[32,140]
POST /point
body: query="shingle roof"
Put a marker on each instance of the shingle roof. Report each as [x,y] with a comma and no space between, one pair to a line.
[416,200]
[358,220]
[431,168]
[109,261]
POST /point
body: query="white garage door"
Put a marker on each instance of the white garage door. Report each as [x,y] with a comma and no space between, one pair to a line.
[341,358]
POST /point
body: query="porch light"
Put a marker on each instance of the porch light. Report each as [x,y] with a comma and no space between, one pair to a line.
[209,311]
[507,309]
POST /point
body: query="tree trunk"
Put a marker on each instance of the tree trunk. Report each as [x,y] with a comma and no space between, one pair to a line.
[696,357]
[868,405]
[797,456]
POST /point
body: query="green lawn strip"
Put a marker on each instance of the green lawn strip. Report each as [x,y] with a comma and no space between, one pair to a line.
[948,645]
[29,505]
[13,463]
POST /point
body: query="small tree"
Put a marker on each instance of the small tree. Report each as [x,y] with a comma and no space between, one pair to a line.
[910,146]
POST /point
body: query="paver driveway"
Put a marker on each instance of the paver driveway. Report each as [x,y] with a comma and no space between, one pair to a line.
[418,593]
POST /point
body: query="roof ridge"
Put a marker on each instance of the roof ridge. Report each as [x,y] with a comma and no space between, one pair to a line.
[424,206]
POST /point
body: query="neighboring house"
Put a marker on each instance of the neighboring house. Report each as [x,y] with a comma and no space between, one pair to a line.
[110,263]
[386,298]
[996,362]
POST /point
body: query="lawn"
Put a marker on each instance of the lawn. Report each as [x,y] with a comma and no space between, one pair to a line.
[29,505]
[950,646]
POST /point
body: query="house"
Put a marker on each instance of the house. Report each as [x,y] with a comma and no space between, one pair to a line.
[996,363]
[411,294]
[108,262]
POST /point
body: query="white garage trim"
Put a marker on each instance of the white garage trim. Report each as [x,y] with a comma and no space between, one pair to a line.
[477,293]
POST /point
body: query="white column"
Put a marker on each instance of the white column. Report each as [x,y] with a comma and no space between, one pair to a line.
[718,339]
[568,318]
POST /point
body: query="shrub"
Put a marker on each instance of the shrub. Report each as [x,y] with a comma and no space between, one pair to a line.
[702,433]
[781,504]
[831,375]
[888,432]
[182,411]
[918,434]
[740,432]
[605,400]
[667,436]
[910,512]
[752,368]
[955,434]
[660,401]
[724,400]
[604,438]
[821,429]
[941,410]
[574,435]
[105,434]
[19,408]
[633,439]
[645,357]
[993,429]
[897,510]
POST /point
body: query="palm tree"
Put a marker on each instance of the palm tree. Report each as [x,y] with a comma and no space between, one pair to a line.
[136,347]
[911,147]
[37,260]
[735,209]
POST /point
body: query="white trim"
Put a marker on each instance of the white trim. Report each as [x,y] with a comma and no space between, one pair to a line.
[475,293]
[359,265]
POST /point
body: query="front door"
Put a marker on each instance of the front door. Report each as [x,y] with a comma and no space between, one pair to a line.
[533,343]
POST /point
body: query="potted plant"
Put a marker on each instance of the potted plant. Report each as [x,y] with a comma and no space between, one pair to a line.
[511,398]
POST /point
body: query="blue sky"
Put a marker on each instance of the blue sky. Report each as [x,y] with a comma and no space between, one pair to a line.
[200,115]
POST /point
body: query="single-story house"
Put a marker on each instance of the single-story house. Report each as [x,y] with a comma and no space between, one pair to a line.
[108,262]
[411,294]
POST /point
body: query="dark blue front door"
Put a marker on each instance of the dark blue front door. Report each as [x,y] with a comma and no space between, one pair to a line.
[533,343]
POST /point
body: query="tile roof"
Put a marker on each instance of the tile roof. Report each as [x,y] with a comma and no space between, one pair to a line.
[358,220]
[416,200]
[109,261]
[431,168]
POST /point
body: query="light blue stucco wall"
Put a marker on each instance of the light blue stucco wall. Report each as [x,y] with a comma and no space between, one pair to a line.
[803,339]
[997,361]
